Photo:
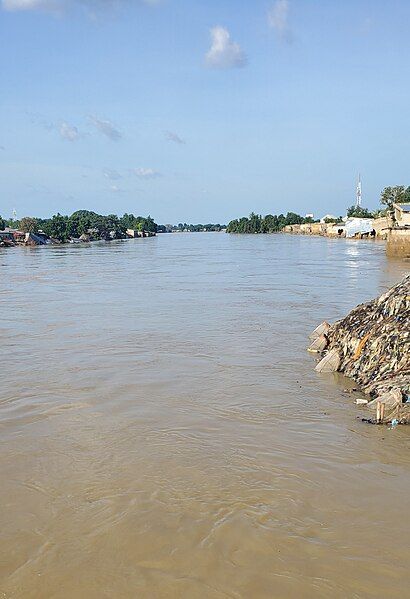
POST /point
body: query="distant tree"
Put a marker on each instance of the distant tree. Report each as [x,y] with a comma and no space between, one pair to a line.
[13,224]
[80,222]
[294,219]
[28,224]
[359,212]
[2,224]
[380,213]
[271,223]
[139,223]
[56,227]
[395,195]
[127,221]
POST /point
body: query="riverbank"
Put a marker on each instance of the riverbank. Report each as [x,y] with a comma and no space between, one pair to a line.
[397,238]
[359,228]
[13,238]
[371,345]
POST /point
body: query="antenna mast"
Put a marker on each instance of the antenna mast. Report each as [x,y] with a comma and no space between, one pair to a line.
[359,193]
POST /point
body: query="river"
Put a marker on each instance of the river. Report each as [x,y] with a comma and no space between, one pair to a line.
[163,433]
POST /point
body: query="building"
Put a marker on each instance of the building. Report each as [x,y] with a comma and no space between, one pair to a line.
[402,214]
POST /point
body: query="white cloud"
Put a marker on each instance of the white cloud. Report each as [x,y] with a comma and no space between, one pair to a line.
[116,189]
[59,6]
[69,132]
[278,19]
[146,173]
[47,5]
[171,136]
[111,174]
[106,127]
[224,53]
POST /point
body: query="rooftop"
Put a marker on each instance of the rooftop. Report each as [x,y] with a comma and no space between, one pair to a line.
[403,207]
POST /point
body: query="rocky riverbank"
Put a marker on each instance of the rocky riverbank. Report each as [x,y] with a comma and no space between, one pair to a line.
[371,345]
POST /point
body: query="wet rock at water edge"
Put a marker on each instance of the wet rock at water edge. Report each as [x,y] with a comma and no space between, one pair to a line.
[371,345]
[330,362]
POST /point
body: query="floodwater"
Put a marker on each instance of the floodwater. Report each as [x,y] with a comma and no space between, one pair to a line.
[163,433]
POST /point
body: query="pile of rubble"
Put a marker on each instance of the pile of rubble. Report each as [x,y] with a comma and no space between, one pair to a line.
[372,346]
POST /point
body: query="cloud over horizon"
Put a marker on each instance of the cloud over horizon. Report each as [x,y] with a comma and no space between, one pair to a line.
[111,174]
[45,5]
[69,132]
[278,20]
[174,137]
[146,173]
[61,6]
[106,127]
[224,53]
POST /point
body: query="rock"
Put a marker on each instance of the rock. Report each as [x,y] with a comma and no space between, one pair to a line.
[330,363]
[322,329]
[371,345]
[319,344]
[391,399]
[361,402]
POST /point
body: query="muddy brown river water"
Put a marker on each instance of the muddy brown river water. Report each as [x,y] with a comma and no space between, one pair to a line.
[163,433]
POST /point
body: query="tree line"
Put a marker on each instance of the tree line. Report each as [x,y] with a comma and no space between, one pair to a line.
[82,222]
[192,228]
[271,223]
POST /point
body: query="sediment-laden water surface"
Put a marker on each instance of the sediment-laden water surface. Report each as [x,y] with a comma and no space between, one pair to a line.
[163,433]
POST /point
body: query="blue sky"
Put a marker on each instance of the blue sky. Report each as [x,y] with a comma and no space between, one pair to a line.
[201,110]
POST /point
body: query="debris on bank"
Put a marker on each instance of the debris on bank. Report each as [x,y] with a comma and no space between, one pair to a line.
[13,237]
[371,345]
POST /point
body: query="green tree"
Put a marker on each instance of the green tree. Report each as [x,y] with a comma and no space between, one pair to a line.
[29,224]
[395,195]
[139,223]
[80,222]
[56,227]
[13,224]
[2,224]
[271,223]
[359,212]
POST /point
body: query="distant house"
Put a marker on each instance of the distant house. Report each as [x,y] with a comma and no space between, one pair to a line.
[18,236]
[133,233]
[6,238]
[402,214]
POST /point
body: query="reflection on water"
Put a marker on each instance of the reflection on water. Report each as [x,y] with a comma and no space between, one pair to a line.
[164,435]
